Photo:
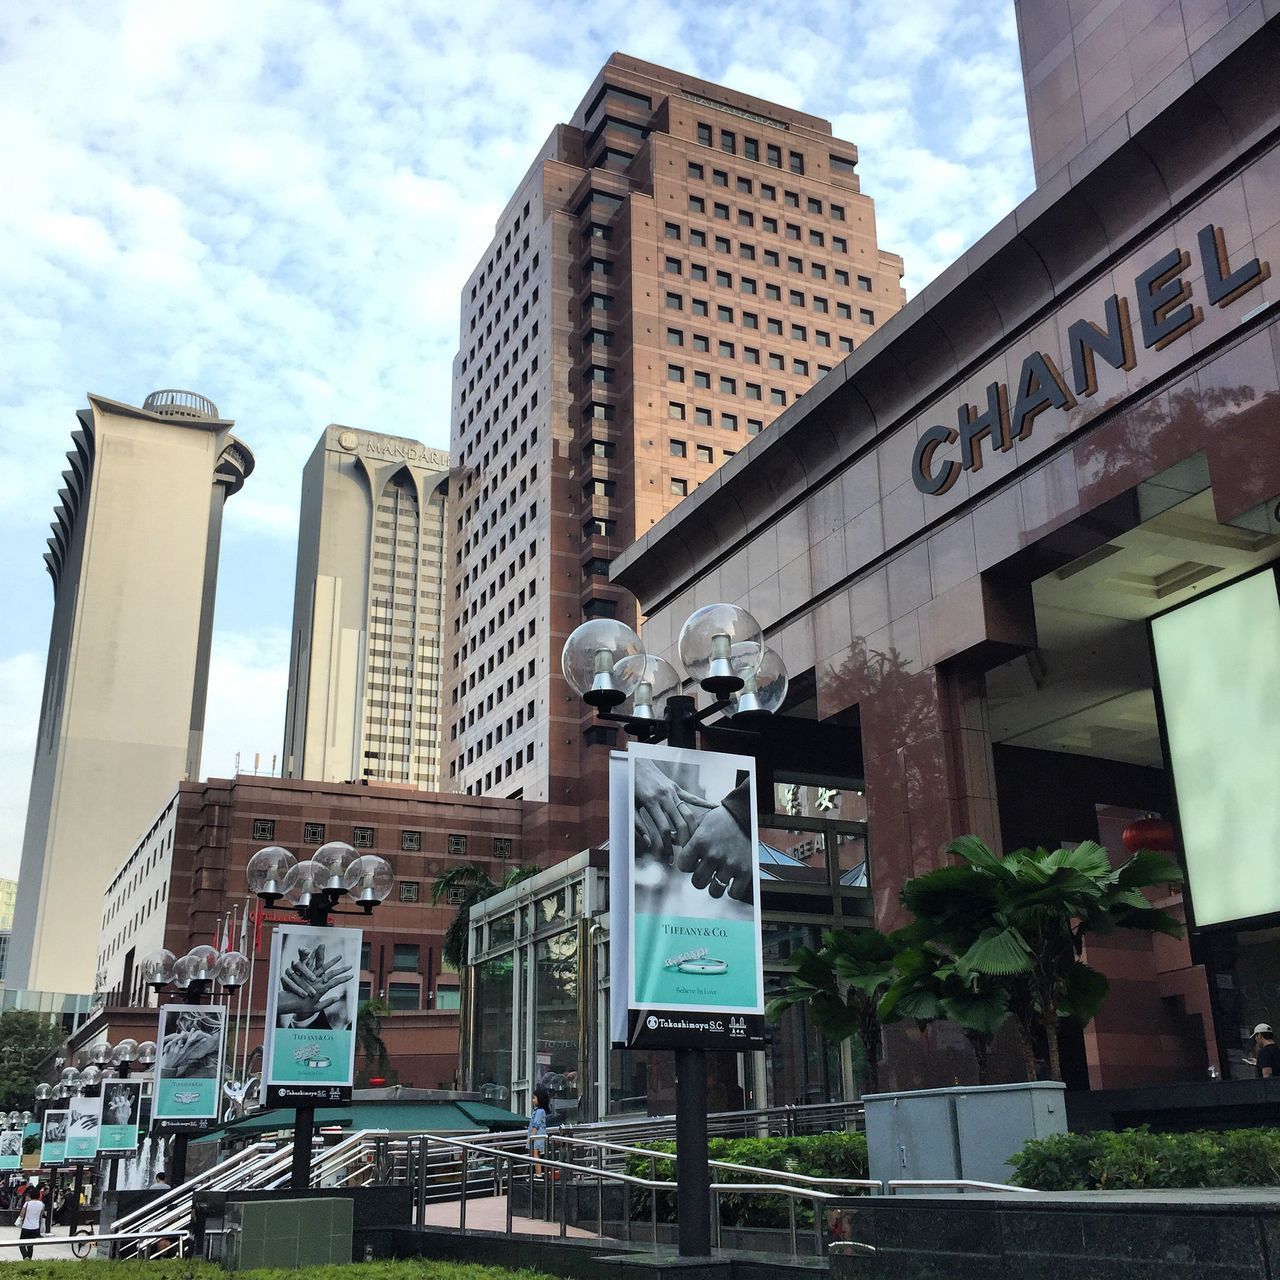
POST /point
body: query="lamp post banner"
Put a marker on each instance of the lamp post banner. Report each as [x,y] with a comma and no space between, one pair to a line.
[188,1070]
[84,1125]
[312,997]
[53,1137]
[121,1115]
[11,1149]
[694,975]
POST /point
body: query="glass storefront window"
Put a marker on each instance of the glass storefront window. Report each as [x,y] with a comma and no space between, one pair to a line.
[781,940]
[555,1019]
[804,1066]
[502,930]
[522,1018]
[494,995]
[550,909]
[851,859]
[797,856]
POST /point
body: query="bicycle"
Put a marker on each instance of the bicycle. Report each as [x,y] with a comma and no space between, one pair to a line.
[80,1247]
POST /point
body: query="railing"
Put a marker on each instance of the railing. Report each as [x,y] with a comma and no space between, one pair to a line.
[262,1165]
[953,1184]
[787,1121]
[800,1182]
[497,1165]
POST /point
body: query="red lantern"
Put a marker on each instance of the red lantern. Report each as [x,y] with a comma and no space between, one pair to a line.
[1149,833]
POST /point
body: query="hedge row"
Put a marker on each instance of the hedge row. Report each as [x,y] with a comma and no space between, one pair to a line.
[826,1155]
[1136,1159]
[177,1269]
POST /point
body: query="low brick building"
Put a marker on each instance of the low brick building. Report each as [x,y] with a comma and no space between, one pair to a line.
[185,879]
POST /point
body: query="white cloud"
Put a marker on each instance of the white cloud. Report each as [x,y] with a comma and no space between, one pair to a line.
[277,204]
[21,683]
[248,680]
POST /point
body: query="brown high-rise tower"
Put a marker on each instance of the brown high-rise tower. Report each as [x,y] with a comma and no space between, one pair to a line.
[679,264]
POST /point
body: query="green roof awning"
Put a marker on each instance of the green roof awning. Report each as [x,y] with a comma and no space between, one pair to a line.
[395,1117]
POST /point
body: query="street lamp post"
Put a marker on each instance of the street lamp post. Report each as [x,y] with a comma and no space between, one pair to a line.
[191,977]
[721,648]
[313,888]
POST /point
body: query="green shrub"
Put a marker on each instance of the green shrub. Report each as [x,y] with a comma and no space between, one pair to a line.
[1138,1160]
[827,1155]
[417,1269]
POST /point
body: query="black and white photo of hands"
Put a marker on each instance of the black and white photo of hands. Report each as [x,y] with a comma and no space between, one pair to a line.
[118,1109]
[667,814]
[314,989]
[718,855]
[83,1123]
[192,1044]
[708,841]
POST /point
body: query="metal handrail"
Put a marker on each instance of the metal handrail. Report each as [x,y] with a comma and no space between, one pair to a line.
[85,1238]
[961,1184]
[810,1179]
[601,1174]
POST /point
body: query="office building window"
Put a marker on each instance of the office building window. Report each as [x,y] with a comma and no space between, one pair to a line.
[411,841]
[704,134]
[679,487]
[402,995]
[264,828]
[705,453]
[457,844]
[678,448]
[867,317]
[409,890]
[313,833]
[864,283]
[502,846]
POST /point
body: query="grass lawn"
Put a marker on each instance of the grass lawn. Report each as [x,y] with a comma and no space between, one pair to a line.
[417,1269]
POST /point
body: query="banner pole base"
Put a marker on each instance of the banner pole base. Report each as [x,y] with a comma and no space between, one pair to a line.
[303,1128]
[693,1175]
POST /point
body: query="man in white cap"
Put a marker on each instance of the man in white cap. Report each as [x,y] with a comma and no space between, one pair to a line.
[1267,1063]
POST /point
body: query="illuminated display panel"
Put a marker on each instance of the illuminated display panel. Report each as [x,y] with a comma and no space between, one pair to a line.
[1219,666]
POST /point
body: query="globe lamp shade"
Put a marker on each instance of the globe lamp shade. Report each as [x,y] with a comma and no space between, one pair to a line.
[590,661]
[720,646]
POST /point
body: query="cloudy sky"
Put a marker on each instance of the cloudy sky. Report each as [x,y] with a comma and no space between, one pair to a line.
[275,203]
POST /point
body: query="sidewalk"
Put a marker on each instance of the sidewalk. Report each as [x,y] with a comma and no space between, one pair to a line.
[490,1214]
[10,1232]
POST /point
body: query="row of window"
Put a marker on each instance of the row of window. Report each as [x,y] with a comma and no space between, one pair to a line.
[727,141]
[364,837]
[751,320]
[749,251]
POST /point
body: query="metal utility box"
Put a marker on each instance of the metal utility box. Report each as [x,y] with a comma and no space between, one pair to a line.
[287,1233]
[960,1132]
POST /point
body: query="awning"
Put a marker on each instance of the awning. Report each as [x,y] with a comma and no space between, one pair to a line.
[395,1117]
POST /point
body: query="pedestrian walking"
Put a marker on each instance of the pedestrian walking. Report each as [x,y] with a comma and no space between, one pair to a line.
[30,1217]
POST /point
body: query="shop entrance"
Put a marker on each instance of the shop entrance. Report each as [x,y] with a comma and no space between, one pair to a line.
[1079,754]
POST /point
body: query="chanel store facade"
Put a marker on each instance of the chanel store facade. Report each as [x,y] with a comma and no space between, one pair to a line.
[1020,548]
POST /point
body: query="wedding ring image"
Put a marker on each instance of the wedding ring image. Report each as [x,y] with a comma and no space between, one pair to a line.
[705,966]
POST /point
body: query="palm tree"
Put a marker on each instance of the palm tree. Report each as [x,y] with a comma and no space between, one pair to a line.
[931,986]
[1020,921]
[468,884]
[842,983]
[369,1036]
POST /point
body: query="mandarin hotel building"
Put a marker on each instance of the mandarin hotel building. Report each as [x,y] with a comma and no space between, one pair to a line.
[1019,552]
